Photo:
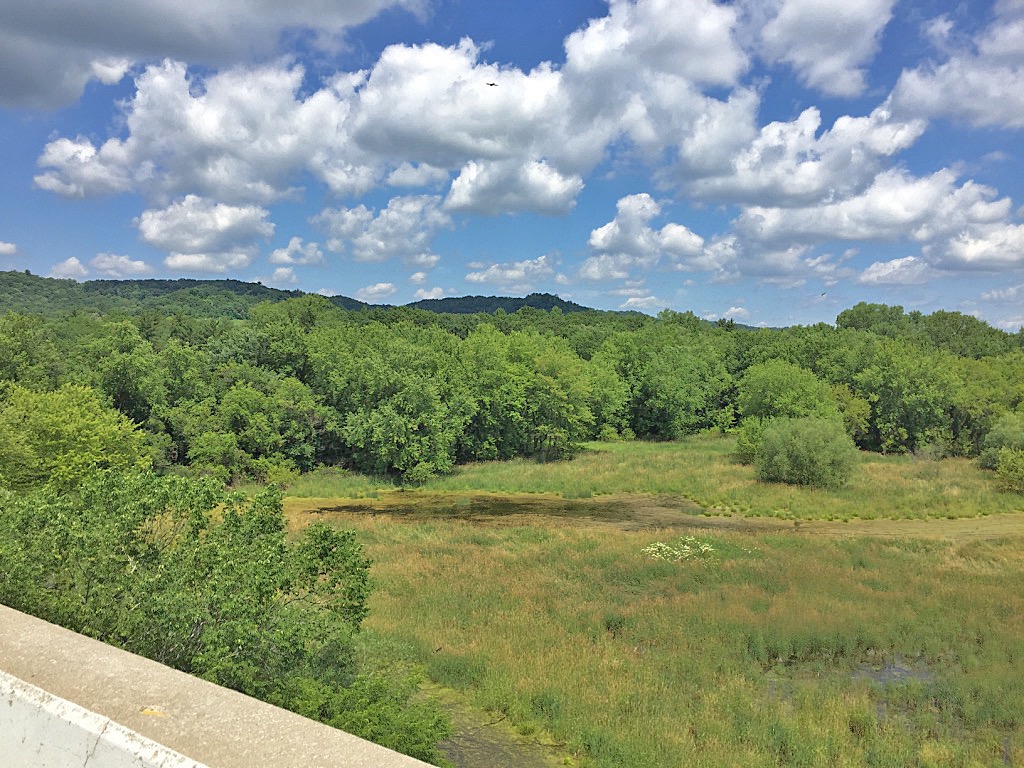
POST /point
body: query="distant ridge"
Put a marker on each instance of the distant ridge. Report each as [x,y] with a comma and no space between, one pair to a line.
[468,305]
[28,293]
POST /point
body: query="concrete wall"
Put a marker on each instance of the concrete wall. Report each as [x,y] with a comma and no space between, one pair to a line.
[41,730]
[68,700]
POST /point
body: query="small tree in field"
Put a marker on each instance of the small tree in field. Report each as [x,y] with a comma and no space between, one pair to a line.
[1010,470]
[1007,432]
[808,451]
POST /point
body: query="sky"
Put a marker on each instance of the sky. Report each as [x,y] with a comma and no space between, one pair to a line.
[769,161]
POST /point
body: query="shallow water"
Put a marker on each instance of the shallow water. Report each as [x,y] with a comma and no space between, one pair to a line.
[484,740]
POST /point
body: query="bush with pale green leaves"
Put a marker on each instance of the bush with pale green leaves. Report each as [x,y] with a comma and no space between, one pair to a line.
[1007,432]
[1010,470]
[808,451]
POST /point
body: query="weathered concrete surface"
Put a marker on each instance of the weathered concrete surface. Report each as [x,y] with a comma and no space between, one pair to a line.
[203,722]
[41,730]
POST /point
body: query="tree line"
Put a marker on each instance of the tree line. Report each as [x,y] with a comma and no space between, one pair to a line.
[302,383]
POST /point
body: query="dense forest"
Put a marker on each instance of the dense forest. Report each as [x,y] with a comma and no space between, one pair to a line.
[129,409]
[236,381]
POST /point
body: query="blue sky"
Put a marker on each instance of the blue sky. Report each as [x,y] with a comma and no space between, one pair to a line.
[773,161]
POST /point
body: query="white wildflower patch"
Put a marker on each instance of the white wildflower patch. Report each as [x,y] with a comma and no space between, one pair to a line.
[684,548]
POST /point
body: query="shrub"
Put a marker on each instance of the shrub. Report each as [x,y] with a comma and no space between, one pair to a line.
[808,451]
[748,438]
[1010,470]
[1007,432]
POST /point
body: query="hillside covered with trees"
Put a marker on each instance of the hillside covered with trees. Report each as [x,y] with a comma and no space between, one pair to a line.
[297,382]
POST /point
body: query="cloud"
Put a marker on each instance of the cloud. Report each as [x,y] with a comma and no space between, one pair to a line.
[981,80]
[372,294]
[1012,293]
[241,135]
[119,267]
[432,293]
[79,169]
[508,187]
[247,134]
[518,276]
[419,175]
[284,276]
[629,245]
[642,303]
[996,246]
[49,54]
[895,207]
[404,230]
[297,252]
[691,39]
[737,312]
[205,236]
[8,249]
[640,73]
[70,268]
[789,164]
[827,43]
[909,270]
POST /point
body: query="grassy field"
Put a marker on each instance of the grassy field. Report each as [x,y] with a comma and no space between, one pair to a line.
[594,626]
[701,469]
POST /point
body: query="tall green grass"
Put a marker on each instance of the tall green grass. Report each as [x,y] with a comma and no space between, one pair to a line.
[761,655]
[701,469]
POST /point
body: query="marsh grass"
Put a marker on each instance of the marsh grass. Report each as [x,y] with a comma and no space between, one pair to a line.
[750,660]
[701,469]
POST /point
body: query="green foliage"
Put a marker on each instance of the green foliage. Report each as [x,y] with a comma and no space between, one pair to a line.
[1007,432]
[1010,470]
[176,571]
[675,385]
[807,451]
[776,389]
[912,397]
[748,438]
[59,437]
[242,382]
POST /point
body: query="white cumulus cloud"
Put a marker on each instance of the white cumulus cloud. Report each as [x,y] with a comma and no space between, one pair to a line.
[909,270]
[828,43]
[518,276]
[69,268]
[980,81]
[297,252]
[376,292]
[404,230]
[628,245]
[794,163]
[117,267]
[205,236]
[429,293]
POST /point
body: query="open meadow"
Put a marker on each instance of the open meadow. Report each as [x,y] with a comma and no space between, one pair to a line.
[653,605]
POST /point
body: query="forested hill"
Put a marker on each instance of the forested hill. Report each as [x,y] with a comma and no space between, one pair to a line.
[469,305]
[27,293]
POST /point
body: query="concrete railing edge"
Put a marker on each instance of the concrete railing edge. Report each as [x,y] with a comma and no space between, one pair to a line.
[137,701]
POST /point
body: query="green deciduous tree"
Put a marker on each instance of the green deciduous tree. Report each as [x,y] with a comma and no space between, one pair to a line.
[59,437]
[912,395]
[777,389]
